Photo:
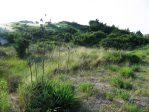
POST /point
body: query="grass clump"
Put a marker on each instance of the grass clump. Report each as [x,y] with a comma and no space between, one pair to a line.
[127,72]
[109,96]
[13,82]
[136,68]
[120,83]
[87,88]
[132,108]
[122,94]
[4,99]
[113,68]
[48,96]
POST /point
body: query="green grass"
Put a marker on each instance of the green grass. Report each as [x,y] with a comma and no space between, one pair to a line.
[114,68]
[4,96]
[121,83]
[87,87]
[110,96]
[132,108]
[48,95]
[127,72]
[123,94]
[121,57]
[123,76]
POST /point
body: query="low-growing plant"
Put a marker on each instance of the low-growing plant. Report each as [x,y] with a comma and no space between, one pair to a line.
[13,82]
[122,94]
[109,95]
[121,57]
[132,108]
[113,68]
[136,68]
[121,83]
[48,96]
[4,97]
[127,72]
[87,88]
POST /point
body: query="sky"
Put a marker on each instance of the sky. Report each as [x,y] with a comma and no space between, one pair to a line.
[132,14]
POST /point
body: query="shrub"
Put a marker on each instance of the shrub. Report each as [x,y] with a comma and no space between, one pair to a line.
[127,72]
[120,83]
[87,88]
[89,38]
[121,57]
[21,46]
[4,99]
[132,108]
[127,41]
[47,96]
[13,83]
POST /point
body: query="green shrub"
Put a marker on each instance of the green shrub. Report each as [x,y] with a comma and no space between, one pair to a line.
[132,108]
[121,57]
[87,88]
[127,41]
[110,96]
[21,46]
[47,96]
[120,83]
[13,82]
[4,97]
[89,38]
[127,72]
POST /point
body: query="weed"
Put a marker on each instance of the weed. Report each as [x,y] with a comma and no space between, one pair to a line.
[120,83]
[122,94]
[113,68]
[87,88]
[132,108]
[4,97]
[127,72]
[136,68]
[110,96]
[47,95]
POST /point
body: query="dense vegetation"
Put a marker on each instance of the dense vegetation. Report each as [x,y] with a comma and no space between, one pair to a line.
[68,67]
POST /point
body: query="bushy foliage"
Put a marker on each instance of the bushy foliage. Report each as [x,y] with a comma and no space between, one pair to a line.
[13,82]
[21,46]
[48,96]
[127,41]
[89,38]
[95,25]
[121,57]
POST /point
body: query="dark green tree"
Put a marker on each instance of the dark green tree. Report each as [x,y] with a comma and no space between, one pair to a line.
[21,46]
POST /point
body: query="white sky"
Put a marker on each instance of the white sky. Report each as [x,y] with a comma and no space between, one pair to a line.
[132,14]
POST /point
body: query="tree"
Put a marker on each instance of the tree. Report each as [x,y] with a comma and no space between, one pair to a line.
[21,46]
[139,34]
